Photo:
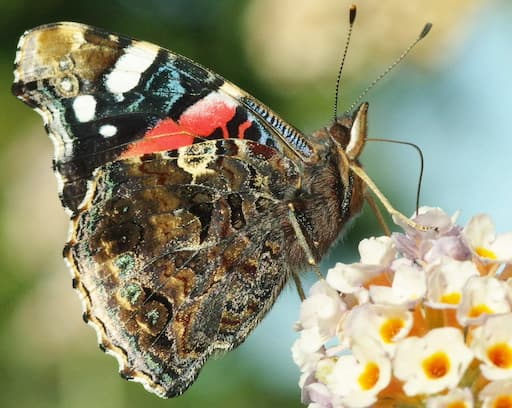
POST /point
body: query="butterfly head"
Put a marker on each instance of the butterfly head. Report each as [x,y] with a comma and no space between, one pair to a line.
[349,132]
[348,135]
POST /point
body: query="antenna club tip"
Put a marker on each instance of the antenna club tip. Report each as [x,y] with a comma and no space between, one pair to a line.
[426,29]
[352,13]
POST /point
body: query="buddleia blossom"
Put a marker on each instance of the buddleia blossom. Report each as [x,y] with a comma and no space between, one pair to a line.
[424,319]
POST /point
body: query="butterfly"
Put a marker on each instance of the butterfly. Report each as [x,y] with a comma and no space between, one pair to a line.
[192,204]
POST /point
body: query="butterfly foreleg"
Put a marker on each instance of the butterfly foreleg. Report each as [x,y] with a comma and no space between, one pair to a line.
[301,239]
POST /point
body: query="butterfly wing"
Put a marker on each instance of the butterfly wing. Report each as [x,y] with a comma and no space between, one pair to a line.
[177,257]
[178,185]
[103,97]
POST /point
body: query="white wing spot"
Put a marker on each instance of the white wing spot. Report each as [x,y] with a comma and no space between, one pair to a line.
[108,130]
[84,107]
[65,84]
[129,67]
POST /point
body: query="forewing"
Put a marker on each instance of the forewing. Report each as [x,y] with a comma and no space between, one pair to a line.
[106,97]
[180,255]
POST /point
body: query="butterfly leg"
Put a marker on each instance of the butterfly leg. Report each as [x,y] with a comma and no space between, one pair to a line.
[300,236]
[298,285]
[378,213]
[303,244]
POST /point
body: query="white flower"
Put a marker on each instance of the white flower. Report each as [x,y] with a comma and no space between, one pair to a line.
[456,398]
[357,378]
[497,394]
[506,273]
[318,405]
[351,278]
[305,353]
[377,251]
[408,287]
[421,283]
[383,323]
[321,312]
[432,363]
[480,235]
[446,281]
[310,341]
[482,296]
[376,255]
[492,344]
[325,368]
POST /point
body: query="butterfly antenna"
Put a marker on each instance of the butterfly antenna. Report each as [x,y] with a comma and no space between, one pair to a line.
[422,35]
[351,19]
[420,153]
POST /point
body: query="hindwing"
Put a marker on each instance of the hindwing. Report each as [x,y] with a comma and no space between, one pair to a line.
[178,256]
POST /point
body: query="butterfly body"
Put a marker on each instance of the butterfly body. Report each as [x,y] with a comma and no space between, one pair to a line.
[191,202]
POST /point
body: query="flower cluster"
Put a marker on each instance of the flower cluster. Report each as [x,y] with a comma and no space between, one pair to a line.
[424,319]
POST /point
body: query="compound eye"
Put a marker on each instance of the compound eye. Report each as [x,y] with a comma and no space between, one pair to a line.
[341,134]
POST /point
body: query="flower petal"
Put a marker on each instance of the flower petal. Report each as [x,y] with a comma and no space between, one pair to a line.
[492,345]
[431,363]
[409,286]
[481,296]
[350,278]
[377,251]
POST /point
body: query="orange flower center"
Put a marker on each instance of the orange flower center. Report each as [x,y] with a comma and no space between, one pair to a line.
[369,376]
[485,253]
[457,404]
[503,401]
[501,355]
[437,365]
[478,310]
[390,329]
[451,298]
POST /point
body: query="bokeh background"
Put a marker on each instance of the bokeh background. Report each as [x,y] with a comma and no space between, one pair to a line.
[452,96]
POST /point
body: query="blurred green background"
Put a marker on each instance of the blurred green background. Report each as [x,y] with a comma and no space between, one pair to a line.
[451,96]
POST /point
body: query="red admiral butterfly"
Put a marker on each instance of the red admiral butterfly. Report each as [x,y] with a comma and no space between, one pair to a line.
[191,203]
